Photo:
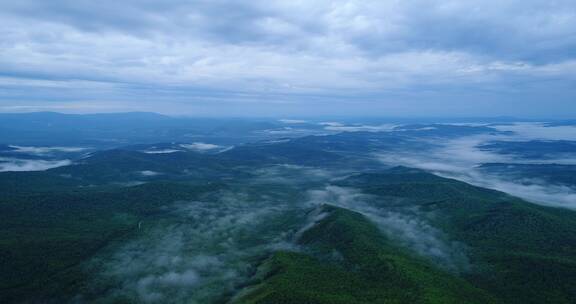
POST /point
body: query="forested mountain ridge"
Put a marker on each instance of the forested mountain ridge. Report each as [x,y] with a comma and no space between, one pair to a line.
[313,219]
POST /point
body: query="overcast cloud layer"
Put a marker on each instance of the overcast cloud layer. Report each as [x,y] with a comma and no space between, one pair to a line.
[299,57]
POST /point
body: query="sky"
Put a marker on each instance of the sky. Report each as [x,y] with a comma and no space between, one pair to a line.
[314,57]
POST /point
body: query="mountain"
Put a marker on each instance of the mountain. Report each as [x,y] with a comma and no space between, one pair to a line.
[312,219]
[118,129]
[504,244]
[354,263]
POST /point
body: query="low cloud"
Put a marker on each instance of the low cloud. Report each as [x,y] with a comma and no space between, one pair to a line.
[13,164]
[149,173]
[47,150]
[460,158]
[536,191]
[199,146]
[539,131]
[409,226]
[290,132]
[166,151]
[198,252]
[332,126]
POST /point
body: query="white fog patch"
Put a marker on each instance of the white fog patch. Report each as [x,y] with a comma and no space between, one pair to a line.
[277,141]
[458,155]
[14,164]
[46,150]
[200,252]
[316,216]
[535,191]
[331,124]
[539,131]
[295,130]
[468,124]
[460,158]
[166,151]
[200,146]
[359,128]
[409,226]
[283,131]
[226,149]
[149,173]
[417,129]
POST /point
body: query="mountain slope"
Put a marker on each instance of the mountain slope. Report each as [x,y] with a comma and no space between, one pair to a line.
[356,265]
[374,235]
[522,252]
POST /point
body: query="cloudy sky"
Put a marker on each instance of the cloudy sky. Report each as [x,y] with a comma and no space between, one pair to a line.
[296,57]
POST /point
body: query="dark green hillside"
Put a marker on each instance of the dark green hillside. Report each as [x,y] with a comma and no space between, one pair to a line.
[524,253]
[282,153]
[356,264]
[416,184]
[127,166]
[44,238]
[397,235]
[35,181]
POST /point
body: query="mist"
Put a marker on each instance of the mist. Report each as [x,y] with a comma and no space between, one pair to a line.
[15,164]
[408,226]
[46,150]
[460,159]
[200,251]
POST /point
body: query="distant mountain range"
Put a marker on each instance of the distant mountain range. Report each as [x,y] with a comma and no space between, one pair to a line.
[117,129]
[120,128]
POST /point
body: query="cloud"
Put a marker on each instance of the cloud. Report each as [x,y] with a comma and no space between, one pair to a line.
[331,124]
[149,173]
[198,252]
[199,146]
[165,151]
[314,217]
[47,150]
[460,158]
[536,191]
[289,132]
[539,131]
[409,227]
[358,128]
[285,55]
[14,164]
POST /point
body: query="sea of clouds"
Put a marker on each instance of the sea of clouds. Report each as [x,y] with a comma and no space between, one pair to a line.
[459,158]
[200,252]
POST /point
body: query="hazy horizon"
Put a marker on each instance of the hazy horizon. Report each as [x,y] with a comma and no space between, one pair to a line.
[316,117]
